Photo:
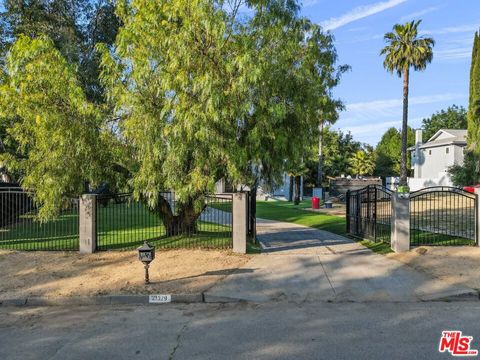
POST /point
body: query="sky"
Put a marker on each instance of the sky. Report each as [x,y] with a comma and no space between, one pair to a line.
[373,97]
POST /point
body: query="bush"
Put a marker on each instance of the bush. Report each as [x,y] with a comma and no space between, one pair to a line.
[466,174]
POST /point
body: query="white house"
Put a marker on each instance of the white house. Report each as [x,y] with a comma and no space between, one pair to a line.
[431,160]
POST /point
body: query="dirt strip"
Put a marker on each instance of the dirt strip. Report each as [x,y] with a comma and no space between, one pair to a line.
[63,274]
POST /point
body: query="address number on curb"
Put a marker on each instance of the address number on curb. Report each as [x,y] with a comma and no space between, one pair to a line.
[159,299]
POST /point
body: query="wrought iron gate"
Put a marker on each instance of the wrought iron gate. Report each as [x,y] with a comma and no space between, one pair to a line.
[369,213]
[443,215]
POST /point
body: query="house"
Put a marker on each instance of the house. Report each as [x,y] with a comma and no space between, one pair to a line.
[431,160]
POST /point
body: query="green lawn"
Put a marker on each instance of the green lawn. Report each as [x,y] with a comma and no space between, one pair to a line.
[419,238]
[126,225]
[29,234]
[286,211]
[119,226]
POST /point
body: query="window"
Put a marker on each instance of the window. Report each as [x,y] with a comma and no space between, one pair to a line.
[447,150]
[429,152]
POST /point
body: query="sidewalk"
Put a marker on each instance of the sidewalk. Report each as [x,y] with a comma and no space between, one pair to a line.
[304,264]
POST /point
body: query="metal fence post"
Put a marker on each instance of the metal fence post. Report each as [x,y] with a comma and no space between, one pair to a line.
[400,231]
[477,216]
[348,211]
[240,222]
[88,223]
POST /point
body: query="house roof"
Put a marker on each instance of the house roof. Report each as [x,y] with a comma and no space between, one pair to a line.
[451,137]
[458,134]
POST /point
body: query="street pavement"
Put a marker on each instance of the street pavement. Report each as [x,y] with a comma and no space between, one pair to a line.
[304,264]
[275,330]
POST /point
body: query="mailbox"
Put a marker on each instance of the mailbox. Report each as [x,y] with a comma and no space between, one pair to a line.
[146,253]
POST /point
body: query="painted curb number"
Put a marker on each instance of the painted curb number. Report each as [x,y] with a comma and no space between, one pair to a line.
[159,299]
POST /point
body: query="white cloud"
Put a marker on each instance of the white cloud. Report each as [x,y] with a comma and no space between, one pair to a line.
[419,13]
[454,53]
[388,104]
[452,30]
[372,111]
[380,127]
[307,3]
[364,133]
[358,13]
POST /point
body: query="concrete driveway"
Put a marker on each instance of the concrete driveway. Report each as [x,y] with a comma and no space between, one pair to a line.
[302,264]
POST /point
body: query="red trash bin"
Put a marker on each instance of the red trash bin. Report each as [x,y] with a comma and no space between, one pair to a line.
[315,203]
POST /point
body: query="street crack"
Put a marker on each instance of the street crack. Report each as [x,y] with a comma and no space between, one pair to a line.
[179,340]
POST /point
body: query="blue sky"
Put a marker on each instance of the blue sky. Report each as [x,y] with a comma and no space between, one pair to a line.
[373,97]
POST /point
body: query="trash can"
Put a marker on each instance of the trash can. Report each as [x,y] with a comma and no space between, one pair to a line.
[315,203]
[328,205]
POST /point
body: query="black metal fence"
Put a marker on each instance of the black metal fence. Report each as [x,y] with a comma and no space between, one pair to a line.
[21,230]
[368,212]
[443,216]
[123,223]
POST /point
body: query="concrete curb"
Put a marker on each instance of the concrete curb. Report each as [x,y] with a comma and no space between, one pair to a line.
[109,300]
[447,296]
[462,295]
[454,295]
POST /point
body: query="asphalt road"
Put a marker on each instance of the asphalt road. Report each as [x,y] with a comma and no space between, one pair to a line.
[274,330]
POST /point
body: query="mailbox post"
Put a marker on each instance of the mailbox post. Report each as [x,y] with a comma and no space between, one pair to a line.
[146,254]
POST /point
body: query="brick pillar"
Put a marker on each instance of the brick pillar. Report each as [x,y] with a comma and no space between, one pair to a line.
[240,223]
[400,233]
[88,223]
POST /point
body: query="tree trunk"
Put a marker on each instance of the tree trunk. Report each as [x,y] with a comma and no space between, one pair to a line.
[297,190]
[182,223]
[320,156]
[290,189]
[403,159]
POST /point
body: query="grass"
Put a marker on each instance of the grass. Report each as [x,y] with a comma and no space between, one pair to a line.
[119,226]
[126,225]
[224,206]
[420,237]
[60,233]
[286,211]
[377,247]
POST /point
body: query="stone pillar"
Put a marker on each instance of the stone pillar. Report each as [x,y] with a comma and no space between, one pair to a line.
[88,223]
[400,233]
[477,224]
[240,222]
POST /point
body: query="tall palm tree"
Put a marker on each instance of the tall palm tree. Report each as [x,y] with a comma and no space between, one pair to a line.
[406,49]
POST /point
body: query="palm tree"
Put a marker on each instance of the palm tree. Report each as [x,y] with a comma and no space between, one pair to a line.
[406,49]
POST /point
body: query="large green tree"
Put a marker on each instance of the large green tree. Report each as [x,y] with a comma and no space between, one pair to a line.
[474,101]
[469,172]
[338,149]
[388,149]
[52,132]
[74,26]
[406,49]
[196,93]
[203,95]
[454,117]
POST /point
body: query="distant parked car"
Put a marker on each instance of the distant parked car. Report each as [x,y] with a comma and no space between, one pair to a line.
[471,188]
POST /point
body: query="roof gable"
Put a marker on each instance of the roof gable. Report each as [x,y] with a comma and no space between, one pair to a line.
[449,134]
